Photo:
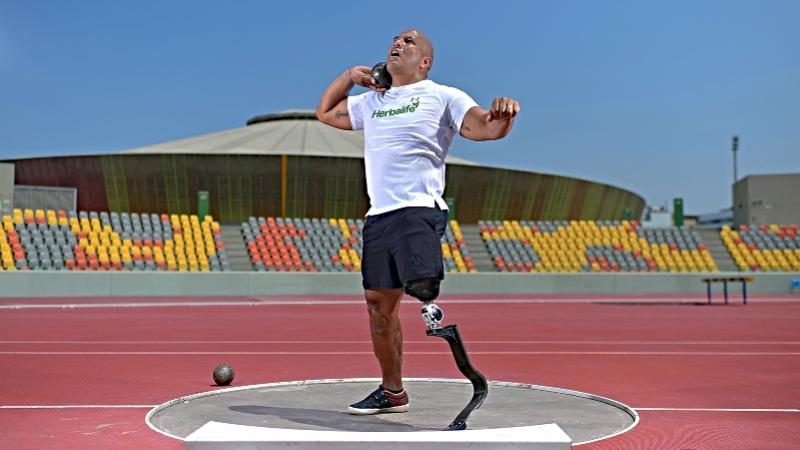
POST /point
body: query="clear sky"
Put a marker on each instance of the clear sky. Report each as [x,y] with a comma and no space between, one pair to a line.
[639,94]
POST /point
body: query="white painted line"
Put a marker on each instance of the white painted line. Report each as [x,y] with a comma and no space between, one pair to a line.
[74,406]
[364,342]
[768,410]
[225,435]
[406,353]
[301,302]
[137,305]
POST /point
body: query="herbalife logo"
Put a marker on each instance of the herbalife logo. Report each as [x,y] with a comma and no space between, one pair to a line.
[410,108]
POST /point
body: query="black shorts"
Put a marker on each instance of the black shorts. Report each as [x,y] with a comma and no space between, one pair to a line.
[403,245]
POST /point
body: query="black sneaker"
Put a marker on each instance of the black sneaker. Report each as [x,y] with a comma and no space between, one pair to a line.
[381,401]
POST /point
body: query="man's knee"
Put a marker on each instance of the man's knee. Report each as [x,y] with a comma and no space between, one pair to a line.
[383,302]
[424,289]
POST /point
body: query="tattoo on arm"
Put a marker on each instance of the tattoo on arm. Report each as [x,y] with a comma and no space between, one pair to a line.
[340,114]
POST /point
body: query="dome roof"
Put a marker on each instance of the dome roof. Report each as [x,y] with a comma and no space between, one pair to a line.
[291,132]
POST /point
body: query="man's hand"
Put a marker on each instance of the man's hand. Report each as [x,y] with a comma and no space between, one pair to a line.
[362,76]
[503,108]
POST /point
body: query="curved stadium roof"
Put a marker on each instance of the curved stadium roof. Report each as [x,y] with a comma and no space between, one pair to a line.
[291,132]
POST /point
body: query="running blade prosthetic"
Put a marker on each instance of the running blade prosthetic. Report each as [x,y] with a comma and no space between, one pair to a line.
[432,315]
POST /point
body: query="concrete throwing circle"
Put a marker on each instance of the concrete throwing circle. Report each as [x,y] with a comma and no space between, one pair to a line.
[322,405]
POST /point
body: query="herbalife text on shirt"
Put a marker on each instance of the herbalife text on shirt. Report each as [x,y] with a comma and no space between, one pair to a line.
[410,108]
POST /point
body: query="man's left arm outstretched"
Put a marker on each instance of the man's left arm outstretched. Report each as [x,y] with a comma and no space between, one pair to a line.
[482,124]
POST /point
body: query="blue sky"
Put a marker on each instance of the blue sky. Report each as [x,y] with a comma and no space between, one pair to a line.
[643,95]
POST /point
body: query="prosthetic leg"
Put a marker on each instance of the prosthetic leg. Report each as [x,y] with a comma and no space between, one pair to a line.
[432,315]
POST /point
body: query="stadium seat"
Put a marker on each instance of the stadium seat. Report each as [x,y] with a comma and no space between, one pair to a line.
[455,254]
[302,244]
[92,240]
[766,247]
[592,246]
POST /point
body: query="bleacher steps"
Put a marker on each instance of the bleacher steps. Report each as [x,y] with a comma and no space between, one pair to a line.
[234,247]
[477,249]
[716,247]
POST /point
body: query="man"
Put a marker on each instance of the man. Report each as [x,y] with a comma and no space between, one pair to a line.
[408,129]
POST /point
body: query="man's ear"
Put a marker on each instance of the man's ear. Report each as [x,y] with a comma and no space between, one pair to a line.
[426,63]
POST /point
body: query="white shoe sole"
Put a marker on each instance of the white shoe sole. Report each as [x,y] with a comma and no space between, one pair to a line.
[366,412]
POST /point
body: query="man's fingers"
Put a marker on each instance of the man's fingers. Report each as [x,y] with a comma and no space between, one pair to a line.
[357,73]
[500,109]
[514,108]
[372,84]
[504,108]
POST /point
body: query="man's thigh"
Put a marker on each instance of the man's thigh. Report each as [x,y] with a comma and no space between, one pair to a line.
[416,244]
[378,268]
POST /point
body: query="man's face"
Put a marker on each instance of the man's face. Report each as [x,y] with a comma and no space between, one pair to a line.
[408,52]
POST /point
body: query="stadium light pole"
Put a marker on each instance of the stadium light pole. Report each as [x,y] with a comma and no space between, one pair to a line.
[735,148]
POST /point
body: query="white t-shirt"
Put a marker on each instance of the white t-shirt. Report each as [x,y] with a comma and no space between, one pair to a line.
[407,132]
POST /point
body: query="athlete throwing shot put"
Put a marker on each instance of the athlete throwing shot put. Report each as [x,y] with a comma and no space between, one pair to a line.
[408,128]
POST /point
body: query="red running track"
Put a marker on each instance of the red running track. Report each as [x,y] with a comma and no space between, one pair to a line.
[701,377]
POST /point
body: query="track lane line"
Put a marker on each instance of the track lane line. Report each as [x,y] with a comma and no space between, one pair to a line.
[365,342]
[75,406]
[768,410]
[758,410]
[406,353]
[608,301]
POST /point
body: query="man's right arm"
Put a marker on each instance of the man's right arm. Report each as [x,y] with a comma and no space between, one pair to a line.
[332,108]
